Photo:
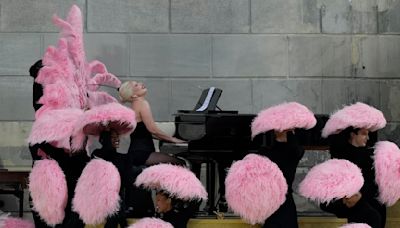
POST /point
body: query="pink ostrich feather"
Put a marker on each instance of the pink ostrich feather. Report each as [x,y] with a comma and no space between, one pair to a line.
[330,180]
[178,181]
[49,192]
[56,126]
[113,115]
[10,222]
[151,223]
[58,96]
[387,172]
[283,117]
[97,98]
[255,188]
[358,115]
[355,225]
[70,83]
[97,192]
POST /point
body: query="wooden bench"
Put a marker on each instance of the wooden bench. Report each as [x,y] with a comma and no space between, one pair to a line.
[14,182]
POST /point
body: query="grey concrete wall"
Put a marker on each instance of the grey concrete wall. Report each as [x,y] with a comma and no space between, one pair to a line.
[321,53]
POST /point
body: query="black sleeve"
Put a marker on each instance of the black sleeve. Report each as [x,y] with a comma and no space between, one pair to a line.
[37,93]
[336,207]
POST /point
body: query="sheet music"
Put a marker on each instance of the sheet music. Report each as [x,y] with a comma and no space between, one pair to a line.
[207,100]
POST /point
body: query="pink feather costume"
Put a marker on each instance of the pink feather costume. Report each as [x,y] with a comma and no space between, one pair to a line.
[347,131]
[259,188]
[72,115]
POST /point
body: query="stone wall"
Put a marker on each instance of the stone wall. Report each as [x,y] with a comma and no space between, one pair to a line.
[321,53]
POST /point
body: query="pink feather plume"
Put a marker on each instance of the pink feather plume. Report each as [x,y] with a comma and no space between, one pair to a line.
[180,182]
[151,223]
[330,180]
[49,191]
[355,225]
[11,222]
[97,192]
[387,172]
[283,117]
[255,188]
[56,126]
[358,115]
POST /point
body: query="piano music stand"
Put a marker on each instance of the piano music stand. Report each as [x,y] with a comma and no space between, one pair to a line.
[212,105]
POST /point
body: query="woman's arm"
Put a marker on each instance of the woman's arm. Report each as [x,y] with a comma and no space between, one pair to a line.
[147,118]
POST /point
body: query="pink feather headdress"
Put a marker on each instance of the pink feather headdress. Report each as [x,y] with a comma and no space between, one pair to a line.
[358,115]
[387,172]
[151,223]
[7,221]
[255,188]
[356,225]
[178,181]
[283,117]
[70,83]
[49,191]
[331,180]
[113,116]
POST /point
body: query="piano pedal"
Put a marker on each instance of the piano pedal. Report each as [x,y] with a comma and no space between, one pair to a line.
[219,215]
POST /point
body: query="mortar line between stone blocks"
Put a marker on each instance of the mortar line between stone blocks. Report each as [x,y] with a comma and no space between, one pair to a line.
[212,57]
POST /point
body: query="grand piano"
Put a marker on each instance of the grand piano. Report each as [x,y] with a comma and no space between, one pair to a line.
[217,138]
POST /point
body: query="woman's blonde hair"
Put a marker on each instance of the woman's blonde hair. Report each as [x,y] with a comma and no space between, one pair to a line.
[126,91]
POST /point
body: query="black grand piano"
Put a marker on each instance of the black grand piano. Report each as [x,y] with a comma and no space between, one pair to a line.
[217,138]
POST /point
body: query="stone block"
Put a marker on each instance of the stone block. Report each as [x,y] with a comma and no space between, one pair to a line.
[336,16]
[336,93]
[34,16]
[320,56]
[19,52]
[390,133]
[245,55]
[290,16]
[364,16]
[210,16]
[14,133]
[389,56]
[15,157]
[364,56]
[268,92]
[367,91]
[357,16]
[171,55]
[16,98]
[389,95]
[128,16]
[389,16]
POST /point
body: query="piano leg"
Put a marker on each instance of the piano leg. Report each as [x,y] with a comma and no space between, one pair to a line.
[223,165]
[210,172]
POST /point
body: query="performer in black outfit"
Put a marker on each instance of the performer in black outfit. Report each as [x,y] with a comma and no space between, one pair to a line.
[141,151]
[286,153]
[363,207]
[175,211]
[72,166]
[110,142]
